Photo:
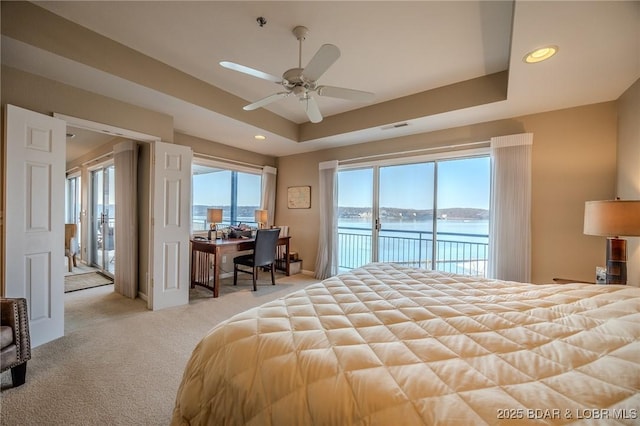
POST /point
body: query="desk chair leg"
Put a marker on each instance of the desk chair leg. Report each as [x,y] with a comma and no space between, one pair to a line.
[235,275]
[273,278]
[255,273]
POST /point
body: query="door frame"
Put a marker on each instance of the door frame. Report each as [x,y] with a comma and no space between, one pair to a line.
[126,134]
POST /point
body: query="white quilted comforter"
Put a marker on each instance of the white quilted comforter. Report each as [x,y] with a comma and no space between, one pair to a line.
[391,345]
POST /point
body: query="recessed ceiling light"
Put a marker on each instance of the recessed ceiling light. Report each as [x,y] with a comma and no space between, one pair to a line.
[540,54]
[260,137]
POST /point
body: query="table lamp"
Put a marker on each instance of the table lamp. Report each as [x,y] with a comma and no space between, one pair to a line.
[261,218]
[214,216]
[612,219]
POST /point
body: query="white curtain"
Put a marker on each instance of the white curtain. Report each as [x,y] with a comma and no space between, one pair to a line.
[327,258]
[510,224]
[126,234]
[269,193]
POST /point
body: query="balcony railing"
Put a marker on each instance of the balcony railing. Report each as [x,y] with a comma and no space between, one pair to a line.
[452,252]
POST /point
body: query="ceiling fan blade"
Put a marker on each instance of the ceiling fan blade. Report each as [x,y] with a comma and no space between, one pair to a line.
[321,61]
[348,94]
[250,71]
[311,108]
[266,101]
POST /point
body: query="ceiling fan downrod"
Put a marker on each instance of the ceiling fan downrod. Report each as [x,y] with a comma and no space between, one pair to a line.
[301,33]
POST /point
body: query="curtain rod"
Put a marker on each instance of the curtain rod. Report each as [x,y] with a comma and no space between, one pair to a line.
[97,159]
[414,151]
[227,160]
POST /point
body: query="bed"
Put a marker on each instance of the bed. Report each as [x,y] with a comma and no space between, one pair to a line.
[387,344]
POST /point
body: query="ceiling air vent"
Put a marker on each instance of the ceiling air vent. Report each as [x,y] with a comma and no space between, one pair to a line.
[394,126]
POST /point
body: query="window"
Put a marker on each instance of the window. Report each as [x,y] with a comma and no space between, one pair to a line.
[430,214]
[236,192]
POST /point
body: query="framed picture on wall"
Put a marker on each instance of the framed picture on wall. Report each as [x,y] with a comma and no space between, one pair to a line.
[299,197]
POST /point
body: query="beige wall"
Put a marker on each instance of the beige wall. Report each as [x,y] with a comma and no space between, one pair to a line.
[574,154]
[574,160]
[628,182]
[46,97]
[207,147]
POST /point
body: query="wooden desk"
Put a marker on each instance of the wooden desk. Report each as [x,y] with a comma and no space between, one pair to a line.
[204,252]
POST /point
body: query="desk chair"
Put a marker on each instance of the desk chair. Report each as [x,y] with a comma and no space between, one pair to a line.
[263,256]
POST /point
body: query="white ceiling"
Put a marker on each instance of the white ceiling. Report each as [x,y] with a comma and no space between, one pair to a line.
[393,49]
[80,141]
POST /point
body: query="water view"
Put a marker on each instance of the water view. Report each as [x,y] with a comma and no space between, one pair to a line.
[460,245]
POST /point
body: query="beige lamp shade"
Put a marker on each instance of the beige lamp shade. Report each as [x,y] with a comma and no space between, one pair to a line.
[261,216]
[612,218]
[214,215]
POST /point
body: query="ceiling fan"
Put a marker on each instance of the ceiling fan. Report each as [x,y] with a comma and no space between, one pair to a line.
[302,82]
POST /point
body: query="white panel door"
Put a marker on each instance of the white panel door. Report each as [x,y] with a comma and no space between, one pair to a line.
[34,237]
[171,219]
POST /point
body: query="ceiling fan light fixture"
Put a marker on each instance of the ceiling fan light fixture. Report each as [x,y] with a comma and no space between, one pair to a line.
[540,54]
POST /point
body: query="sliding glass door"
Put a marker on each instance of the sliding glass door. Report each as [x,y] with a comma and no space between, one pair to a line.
[463,215]
[103,219]
[356,218]
[405,215]
[431,214]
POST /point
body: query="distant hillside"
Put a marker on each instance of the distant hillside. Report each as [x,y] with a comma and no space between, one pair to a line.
[243,211]
[457,213]
[388,213]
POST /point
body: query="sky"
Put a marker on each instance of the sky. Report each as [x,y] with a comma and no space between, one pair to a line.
[461,183]
[214,189]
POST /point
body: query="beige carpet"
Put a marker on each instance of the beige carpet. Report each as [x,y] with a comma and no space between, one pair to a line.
[84,281]
[118,363]
[82,268]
